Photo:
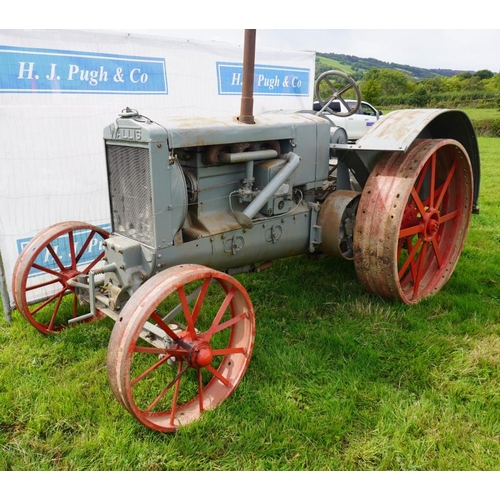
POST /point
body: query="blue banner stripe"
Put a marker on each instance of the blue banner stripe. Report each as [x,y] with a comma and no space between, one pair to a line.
[268,80]
[50,71]
[62,249]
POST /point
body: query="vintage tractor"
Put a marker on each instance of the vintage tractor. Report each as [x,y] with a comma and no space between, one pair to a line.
[196,201]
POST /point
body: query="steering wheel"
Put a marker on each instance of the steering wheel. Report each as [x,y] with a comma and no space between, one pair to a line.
[338,83]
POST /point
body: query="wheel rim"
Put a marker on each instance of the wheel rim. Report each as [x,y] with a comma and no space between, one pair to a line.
[413,219]
[205,327]
[42,272]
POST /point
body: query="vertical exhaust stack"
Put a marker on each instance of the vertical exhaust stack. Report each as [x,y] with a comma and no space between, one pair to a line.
[246,110]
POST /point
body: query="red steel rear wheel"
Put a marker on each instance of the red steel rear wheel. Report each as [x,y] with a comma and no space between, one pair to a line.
[181,345]
[412,220]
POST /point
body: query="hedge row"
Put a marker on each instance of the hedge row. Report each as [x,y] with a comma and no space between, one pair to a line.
[422,98]
[487,128]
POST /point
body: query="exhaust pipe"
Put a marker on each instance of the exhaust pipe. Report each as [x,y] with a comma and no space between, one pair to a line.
[246,110]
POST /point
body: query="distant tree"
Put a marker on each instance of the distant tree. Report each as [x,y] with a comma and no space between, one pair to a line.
[493,83]
[484,74]
[420,98]
[434,85]
[455,83]
[371,91]
[385,82]
[473,84]
[464,76]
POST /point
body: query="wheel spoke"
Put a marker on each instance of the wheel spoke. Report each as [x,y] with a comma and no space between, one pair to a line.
[72,250]
[421,176]
[414,260]
[448,217]
[201,298]
[225,352]
[418,202]
[160,351]
[410,231]
[48,270]
[175,397]
[176,380]
[218,375]
[341,99]
[437,192]
[433,180]
[42,285]
[332,88]
[177,309]
[159,321]
[222,326]
[152,368]
[55,257]
[84,246]
[48,301]
[420,270]
[409,259]
[446,183]
[187,312]
[437,253]
[221,311]
[54,314]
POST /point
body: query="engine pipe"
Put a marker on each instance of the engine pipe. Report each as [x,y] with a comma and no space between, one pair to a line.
[293,161]
[246,110]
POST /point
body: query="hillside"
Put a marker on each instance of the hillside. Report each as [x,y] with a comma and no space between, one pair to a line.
[358,65]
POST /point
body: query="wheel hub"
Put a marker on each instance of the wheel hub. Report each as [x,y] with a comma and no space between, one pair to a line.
[70,274]
[200,355]
[431,225]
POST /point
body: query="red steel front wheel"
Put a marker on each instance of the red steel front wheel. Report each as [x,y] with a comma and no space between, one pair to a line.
[41,284]
[181,345]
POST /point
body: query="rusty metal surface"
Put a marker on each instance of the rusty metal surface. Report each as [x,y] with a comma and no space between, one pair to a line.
[246,111]
[397,130]
[413,219]
[207,131]
[338,224]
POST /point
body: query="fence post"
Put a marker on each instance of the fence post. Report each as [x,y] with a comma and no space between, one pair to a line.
[4,291]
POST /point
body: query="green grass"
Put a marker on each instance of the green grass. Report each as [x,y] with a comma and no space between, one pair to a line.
[482,114]
[339,379]
[332,64]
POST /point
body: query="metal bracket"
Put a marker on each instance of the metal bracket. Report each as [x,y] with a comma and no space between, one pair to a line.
[315,237]
[92,292]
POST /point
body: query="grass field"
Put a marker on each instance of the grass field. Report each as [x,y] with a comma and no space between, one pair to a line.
[482,114]
[334,64]
[339,380]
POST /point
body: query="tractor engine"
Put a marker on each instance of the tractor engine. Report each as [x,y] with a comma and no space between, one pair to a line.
[217,192]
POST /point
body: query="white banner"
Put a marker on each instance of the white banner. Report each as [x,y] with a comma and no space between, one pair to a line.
[60,88]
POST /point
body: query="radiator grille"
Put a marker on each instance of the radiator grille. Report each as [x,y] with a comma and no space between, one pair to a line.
[129,181]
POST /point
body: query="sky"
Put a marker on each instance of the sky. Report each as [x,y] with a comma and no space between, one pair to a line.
[427,34]
[457,49]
